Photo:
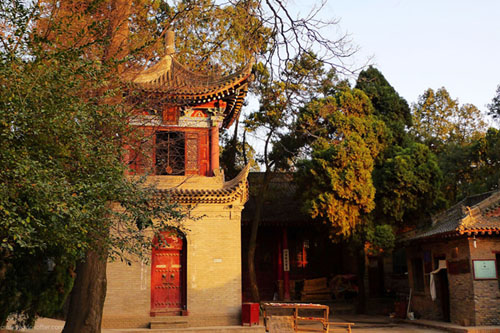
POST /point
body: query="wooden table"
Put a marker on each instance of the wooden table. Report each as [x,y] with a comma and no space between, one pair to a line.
[295,308]
[296,314]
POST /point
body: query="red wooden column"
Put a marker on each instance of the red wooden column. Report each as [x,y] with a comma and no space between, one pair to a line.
[214,148]
[286,266]
[214,142]
[279,275]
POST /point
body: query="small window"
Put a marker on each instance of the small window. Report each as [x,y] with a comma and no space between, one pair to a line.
[170,153]
[417,274]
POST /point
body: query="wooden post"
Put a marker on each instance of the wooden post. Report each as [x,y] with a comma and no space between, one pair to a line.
[279,275]
[214,147]
[286,266]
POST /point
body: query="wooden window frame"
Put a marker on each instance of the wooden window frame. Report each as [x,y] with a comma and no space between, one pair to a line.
[202,157]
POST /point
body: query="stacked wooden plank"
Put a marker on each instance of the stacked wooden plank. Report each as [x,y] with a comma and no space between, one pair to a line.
[316,289]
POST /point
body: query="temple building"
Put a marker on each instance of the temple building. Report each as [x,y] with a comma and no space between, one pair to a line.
[453,264]
[195,280]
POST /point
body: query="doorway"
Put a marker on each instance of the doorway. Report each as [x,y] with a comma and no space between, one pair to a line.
[168,274]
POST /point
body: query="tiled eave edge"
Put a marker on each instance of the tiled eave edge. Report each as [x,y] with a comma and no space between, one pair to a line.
[235,190]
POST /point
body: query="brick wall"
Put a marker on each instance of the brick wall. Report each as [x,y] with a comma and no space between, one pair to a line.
[213,274]
[460,285]
[486,292]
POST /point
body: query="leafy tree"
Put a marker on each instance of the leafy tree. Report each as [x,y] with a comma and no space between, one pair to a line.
[274,120]
[338,184]
[388,105]
[408,184]
[88,45]
[472,168]
[494,107]
[438,119]
[65,196]
[406,174]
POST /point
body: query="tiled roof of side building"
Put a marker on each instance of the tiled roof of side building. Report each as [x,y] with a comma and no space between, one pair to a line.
[479,214]
[171,80]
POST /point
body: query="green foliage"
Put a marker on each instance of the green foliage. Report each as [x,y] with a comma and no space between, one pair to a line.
[408,184]
[64,183]
[494,107]
[235,154]
[472,168]
[380,239]
[32,289]
[279,101]
[438,119]
[336,182]
[388,105]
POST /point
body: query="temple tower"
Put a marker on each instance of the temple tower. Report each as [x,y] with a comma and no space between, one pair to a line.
[196,279]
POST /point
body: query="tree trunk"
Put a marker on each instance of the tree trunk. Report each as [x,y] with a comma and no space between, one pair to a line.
[87,296]
[252,242]
[229,154]
[360,254]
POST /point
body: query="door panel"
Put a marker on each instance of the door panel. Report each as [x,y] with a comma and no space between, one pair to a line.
[167,275]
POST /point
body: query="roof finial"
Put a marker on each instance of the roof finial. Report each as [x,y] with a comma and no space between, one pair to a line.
[170,42]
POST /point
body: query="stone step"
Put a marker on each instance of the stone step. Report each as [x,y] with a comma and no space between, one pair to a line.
[168,322]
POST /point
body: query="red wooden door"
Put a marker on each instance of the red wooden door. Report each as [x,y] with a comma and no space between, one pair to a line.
[167,275]
[203,154]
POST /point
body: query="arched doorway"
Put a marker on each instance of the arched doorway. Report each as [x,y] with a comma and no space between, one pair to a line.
[168,274]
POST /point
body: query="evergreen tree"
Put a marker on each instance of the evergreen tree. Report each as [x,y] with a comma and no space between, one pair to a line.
[388,104]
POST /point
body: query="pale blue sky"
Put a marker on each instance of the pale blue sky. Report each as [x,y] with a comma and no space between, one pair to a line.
[420,44]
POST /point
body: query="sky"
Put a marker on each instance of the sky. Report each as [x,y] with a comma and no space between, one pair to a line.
[421,44]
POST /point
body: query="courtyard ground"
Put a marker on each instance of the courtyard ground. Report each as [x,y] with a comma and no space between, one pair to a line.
[363,324]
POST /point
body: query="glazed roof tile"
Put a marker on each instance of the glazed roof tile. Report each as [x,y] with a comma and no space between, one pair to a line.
[478,214]
[173,81]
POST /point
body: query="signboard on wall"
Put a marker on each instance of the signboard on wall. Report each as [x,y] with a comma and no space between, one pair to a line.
[484,269]
[286,260]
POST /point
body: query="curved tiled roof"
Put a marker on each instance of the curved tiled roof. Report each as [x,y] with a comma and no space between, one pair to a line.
[474,215]
[173,81]
[231,191]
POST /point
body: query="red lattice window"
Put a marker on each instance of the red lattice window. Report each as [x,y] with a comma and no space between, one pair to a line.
[170,153]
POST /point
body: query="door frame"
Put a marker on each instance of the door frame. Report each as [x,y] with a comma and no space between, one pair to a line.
[183,278]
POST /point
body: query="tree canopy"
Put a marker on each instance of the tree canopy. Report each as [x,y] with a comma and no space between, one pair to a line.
[65,186]
[439,119]
[388,105]
[336,182]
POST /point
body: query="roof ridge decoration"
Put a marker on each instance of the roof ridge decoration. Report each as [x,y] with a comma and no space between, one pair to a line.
[231,191]
[483,217]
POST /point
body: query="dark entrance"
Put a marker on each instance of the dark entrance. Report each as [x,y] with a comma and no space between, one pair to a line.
[168,274]
[444,293]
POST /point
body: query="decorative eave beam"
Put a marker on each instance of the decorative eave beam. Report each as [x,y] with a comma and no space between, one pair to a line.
[471,232]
